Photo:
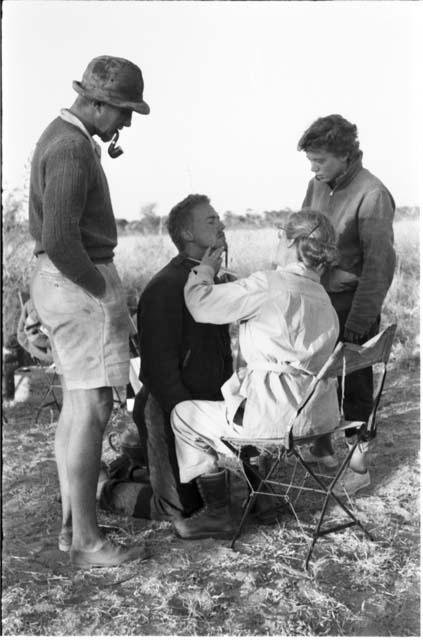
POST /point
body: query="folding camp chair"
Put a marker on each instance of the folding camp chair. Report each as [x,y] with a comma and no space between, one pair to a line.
[34,340]
[135,359]
[50,397]
[345,359]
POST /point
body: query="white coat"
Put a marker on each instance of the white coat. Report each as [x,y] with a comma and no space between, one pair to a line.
[288,330]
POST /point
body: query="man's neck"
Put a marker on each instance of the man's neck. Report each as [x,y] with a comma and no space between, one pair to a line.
[194,252]
[79,113]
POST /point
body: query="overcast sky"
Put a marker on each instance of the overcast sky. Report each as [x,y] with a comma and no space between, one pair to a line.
[231,85]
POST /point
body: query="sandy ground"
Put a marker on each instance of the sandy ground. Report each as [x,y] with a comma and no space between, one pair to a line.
[43,594]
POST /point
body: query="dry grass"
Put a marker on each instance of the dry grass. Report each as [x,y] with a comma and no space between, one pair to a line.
[356,586]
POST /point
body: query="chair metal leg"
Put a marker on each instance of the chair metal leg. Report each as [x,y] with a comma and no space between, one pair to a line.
[318,532]
[118,399]
[54,401]
[258,476]
[246,511]
[252,495]
[44,405]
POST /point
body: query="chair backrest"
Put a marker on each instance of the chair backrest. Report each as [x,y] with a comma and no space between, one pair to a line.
[135,359]
[348,357]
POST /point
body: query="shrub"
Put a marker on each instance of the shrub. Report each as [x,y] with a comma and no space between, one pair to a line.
[17,266]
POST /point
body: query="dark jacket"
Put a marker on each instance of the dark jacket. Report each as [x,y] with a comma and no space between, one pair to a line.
[180,359]
[361,209]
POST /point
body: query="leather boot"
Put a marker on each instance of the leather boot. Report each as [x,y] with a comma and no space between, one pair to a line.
[214,519]
[266,509]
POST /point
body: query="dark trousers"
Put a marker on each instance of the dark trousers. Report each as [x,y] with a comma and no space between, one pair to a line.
[170,498]
[358,399]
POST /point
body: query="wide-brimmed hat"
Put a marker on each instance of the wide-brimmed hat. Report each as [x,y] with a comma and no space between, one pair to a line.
[115,81]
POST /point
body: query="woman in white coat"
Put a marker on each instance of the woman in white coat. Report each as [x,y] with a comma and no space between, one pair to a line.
[288,329]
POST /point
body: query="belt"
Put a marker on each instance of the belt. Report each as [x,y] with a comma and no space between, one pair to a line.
[279,369]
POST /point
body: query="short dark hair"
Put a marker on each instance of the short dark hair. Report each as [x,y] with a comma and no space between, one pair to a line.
[313,235]
[333,134]
[180,217]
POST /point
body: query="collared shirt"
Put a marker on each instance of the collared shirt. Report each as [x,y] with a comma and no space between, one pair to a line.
[351,171]
[68,116]
[288,330]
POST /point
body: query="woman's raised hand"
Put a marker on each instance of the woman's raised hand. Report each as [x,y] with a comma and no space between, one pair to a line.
[213,258]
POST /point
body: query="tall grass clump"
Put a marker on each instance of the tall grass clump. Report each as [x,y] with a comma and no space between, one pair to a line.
[17,261]
[251,250]
[138,258]
[402,304]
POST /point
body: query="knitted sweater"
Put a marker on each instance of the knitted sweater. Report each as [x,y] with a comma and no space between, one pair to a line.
[361,210]
[70,212]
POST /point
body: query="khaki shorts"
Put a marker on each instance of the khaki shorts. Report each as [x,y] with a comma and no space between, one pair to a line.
[89,336]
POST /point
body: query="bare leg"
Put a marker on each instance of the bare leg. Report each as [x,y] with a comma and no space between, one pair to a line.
[60,447]
[91,410]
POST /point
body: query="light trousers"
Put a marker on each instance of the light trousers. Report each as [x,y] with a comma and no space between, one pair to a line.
[198,426]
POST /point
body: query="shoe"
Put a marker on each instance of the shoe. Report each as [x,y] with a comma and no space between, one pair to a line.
[124,468]
[270,509]
[65,539]
[351,482]
[204,524]
[329,460]
[140,474]
[358,461]
[214,519]
[109,555]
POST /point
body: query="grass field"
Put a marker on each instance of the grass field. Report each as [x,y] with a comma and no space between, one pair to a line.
[138,258]
[356,587]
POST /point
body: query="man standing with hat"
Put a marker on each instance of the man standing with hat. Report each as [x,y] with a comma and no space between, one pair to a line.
[77,292]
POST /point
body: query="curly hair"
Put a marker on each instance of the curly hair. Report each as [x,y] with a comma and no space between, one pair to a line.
[333,134]
[313,235]
[180,217]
